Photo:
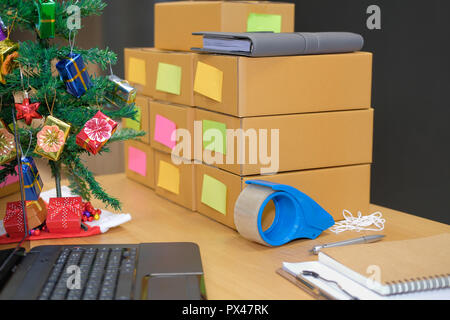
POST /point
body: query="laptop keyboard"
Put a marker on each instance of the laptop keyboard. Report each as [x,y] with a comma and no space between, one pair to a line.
[83,273]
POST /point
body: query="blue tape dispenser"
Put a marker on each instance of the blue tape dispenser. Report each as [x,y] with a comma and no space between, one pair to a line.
[296,214]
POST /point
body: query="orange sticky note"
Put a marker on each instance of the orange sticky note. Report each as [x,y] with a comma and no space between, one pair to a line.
[169,177]
[136,71]
[208,81]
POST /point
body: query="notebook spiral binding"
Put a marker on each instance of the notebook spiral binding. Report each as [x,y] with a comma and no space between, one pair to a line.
[419,284]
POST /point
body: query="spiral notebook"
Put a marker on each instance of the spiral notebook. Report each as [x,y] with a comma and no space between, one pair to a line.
[398,264]
[394,267]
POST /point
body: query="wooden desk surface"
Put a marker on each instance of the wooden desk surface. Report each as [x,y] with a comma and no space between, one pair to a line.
[235,268]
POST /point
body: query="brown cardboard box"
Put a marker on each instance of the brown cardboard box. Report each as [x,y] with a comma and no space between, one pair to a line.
[285,85]
[182,117]
[9,189]
[11,183]
[306,141]
[147,68]
[335,189]
[173,181]
[139,162]
[176,21]
[143,121]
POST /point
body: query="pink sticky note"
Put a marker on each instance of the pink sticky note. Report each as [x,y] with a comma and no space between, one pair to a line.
[163,131]
[137,161]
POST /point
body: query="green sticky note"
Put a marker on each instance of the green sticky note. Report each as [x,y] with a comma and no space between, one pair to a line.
[134,124]
[263,22]
[214,194]
[168,78]
[214,136]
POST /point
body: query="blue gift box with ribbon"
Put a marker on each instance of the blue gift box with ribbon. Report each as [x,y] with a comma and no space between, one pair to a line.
[31,179]
[74,73]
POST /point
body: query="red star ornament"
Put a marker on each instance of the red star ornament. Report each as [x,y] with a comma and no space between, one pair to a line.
[27,111]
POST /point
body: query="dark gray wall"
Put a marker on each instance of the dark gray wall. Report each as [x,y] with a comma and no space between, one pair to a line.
[127,24]
[411,84]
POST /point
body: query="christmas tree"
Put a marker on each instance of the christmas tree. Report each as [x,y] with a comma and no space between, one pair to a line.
[29,68]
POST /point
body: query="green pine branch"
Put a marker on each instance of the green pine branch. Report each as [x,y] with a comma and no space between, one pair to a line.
[40,78]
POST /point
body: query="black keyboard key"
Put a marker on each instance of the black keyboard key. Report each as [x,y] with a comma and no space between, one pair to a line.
[126,277]
[59,294]
[104,273]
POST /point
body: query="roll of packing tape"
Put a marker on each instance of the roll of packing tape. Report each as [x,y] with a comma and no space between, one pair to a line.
[296,214]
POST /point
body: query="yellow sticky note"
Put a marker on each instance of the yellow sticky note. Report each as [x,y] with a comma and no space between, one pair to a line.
[214,194]
[168,78]
[208,81]
[136,71]
[169,177]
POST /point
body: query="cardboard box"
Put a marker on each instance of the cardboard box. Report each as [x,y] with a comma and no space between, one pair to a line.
[10,185]
[305,141]
[139,162]
[173,181]
[162,75]
[164,119]
[283,85]
[142,122]
[335,189]
[176,21]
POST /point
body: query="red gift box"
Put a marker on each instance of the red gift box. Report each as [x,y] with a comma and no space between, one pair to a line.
[13,220]
[64,215]
[96,132]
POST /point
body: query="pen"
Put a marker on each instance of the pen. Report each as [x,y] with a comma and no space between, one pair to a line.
[364,239]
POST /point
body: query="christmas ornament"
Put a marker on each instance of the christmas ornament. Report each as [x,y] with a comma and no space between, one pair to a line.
[31,179]
[96,132]
[51,138]
[7,144]
[46,23]
[64,215]
[90,212]
[73,72]
[13,220]
[8,55]
[123,92]
[27,110]
[3,30]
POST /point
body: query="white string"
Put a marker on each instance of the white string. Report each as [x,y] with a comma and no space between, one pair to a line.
[71,43]
[359,223]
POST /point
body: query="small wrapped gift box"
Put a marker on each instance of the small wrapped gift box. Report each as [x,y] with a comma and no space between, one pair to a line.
[13,220]
[73,72]
[32,181]
[64,215]
[123,92]
[46,18]
[96,132]
[7,145]
[8,54]
[51,138]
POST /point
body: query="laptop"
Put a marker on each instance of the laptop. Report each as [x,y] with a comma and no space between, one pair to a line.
[146,271]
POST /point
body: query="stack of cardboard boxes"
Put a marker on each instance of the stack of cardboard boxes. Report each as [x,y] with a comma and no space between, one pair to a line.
[305,121]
